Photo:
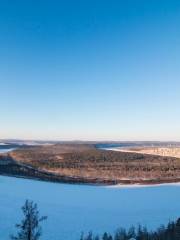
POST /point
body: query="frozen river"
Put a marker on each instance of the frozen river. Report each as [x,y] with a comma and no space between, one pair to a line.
[75,208]
[6,149]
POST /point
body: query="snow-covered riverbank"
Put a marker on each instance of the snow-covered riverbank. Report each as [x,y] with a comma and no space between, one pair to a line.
[159,151]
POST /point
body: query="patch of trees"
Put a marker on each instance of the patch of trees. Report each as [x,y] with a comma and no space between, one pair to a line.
[169,232]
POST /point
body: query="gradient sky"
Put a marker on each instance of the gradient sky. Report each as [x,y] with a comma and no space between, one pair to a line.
[90,69]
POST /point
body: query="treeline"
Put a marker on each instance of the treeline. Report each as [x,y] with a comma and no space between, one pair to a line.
[169,232]
[30,229]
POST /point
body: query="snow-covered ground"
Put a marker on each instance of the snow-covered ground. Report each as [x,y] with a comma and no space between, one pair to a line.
[75,208]
[159,151]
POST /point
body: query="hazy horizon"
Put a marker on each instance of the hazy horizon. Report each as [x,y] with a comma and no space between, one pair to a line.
[84,140]
[90,70]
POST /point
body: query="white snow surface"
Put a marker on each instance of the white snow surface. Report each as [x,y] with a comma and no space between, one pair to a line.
[72,209]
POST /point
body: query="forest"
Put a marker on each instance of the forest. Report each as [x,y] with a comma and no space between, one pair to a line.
[85,163]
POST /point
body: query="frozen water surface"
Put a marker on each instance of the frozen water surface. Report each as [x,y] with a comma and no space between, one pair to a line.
[72,209]
[6,150]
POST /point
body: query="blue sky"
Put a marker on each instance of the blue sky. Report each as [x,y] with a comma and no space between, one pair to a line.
[90,70]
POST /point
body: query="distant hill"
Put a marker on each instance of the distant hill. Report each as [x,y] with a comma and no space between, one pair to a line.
[85,163]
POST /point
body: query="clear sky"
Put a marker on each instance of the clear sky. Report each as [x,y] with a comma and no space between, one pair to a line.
[90,69]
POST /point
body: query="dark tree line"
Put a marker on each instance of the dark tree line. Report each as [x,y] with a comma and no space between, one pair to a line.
[30,229]
[169,232]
